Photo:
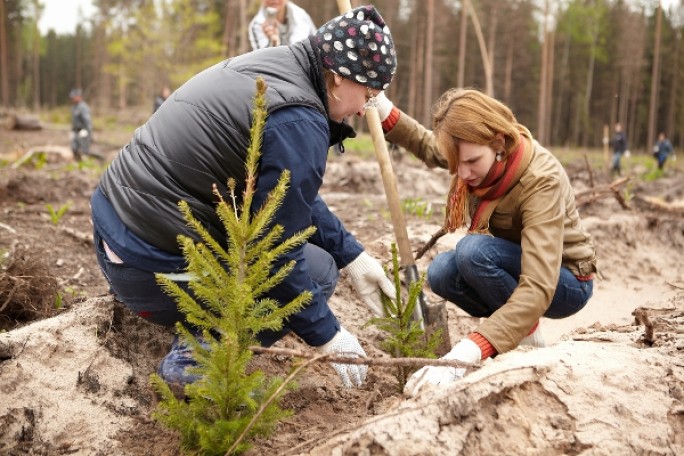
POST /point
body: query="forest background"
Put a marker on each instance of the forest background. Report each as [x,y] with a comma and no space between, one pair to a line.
[569,69]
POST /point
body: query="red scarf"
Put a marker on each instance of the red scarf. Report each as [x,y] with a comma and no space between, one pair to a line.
[501,177]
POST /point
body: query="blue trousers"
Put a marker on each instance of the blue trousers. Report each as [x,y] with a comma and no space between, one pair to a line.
[482,272]
[661,157]
[616,165]
[138,290]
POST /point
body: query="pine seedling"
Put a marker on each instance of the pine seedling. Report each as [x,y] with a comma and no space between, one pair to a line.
[405,337]
[57,214]
[229,406]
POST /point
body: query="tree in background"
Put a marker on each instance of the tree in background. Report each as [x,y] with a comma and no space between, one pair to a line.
[591,65]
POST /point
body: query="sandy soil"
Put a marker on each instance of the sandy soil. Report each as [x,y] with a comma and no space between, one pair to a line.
[73,380]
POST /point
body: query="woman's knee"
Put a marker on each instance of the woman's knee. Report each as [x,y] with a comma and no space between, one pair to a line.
[571,296]
[475,253]
[441,271]
[473,248]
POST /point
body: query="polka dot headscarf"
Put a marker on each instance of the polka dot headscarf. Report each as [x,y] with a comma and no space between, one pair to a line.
[358,46]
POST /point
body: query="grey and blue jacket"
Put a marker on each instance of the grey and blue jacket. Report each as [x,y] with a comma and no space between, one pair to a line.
[199,138]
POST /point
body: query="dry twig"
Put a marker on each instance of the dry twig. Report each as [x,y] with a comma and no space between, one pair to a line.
[391,362]
[613,189]
[641,316]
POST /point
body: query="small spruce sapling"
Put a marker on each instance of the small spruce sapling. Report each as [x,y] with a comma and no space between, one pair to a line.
[227,407]
[406,339]
[57,214]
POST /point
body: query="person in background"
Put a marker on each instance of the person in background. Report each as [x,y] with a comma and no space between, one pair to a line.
[160,98]
[619,144]
[279,22]
[662,149]
[81,125]
[313,86]
[526,254]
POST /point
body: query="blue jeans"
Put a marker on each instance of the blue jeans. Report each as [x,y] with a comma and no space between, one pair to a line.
[616,166]
[481,273]
[138,290]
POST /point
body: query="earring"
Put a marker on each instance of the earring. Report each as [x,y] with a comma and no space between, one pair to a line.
[499,156]
[332,95]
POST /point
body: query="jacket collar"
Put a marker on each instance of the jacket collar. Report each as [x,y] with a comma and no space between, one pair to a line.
[339,131]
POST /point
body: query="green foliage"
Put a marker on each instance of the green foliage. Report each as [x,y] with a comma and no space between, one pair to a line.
[361,146]
[228,405]
[57,214]
[39,160]
[652,174]
[417,207]
[68,292]
[405,337]
[88,163]
[587,25]
[59,301]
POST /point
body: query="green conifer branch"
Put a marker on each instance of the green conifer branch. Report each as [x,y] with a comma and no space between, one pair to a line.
[405,337]
[228,305]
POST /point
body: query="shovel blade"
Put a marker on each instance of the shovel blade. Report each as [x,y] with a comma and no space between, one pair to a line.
[436,320]
[432,317]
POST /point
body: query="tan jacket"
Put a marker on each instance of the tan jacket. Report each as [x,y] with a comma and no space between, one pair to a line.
[540,214]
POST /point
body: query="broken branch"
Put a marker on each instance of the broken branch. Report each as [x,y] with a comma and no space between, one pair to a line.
[411,362]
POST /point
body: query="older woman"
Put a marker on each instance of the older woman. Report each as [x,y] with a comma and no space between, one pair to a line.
[199,137]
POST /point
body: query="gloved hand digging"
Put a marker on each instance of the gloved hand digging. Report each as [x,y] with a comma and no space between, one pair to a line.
[345,344]
[369,280]
[466,350]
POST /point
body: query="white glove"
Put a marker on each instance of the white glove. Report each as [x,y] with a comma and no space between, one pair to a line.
[369,280]
[466,350]
[345,344]
[535,339]
[383,105]
[83,133]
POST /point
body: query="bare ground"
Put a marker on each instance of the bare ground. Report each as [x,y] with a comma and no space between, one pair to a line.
[73,379]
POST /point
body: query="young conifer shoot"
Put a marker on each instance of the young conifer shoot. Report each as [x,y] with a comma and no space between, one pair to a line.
[405,337]
[229,406]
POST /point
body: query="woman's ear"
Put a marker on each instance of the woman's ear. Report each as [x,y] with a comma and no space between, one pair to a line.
[338,79]
[499,142]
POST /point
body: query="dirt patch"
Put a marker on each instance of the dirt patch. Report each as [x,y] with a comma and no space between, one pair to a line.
[77,382]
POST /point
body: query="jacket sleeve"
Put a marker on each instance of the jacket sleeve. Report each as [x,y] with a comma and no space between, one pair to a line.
[414,137]
[87,120]
[257,37]
[81,118]
[301,23]
[296,139]
[332,236]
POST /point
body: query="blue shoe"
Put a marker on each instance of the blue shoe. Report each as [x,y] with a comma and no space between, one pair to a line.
[173,367]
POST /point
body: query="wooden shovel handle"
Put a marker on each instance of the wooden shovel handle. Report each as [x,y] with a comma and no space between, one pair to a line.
[388,179]
[390,183]
[344,5]
[392,194]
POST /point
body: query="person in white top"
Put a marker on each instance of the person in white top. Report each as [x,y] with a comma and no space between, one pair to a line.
[279,22]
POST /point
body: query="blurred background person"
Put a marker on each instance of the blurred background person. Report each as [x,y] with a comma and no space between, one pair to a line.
[161,97]
[81,125]
[279,22]
[619,144]
[662,149]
